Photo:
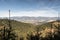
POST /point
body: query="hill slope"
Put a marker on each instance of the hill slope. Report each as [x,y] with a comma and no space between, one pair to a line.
[18,27]
[24,28]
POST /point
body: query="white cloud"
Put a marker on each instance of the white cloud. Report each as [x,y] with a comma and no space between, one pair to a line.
[4,14]
[45,13]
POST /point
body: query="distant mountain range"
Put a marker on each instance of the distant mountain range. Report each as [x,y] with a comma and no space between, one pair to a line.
[27,19]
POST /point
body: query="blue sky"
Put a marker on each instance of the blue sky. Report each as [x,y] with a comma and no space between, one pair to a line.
[46,8]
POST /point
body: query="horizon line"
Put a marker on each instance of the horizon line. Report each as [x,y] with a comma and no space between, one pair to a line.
[27,16]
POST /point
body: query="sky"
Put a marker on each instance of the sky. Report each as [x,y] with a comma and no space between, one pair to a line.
[35,8]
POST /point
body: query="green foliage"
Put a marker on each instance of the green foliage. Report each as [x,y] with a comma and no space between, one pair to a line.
[23,28]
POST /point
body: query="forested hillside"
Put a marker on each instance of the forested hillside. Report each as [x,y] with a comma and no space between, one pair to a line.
[26,31]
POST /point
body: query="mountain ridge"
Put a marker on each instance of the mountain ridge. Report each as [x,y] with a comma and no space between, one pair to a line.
[33,20]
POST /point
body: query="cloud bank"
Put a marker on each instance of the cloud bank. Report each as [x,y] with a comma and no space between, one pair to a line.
[34,13]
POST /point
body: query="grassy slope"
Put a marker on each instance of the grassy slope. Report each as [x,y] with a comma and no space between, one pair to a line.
[49,25]
[23,28]
[19,27]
